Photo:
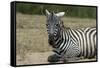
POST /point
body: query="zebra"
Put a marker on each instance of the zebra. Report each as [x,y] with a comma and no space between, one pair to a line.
[69,44]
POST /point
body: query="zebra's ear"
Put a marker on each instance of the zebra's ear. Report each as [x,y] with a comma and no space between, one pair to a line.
[47,12]
[60,14]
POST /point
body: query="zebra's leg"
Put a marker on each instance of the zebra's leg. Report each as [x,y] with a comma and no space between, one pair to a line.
[53,58]
[73,59]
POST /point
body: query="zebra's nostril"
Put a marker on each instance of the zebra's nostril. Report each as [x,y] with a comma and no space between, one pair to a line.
[51,36]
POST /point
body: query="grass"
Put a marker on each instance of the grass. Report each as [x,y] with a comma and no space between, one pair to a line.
[32,35]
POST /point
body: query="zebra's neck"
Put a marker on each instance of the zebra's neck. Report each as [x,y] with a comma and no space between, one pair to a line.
[62,39]
[62,42]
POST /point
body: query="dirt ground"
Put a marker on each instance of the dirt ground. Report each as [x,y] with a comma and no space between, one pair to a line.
[40,58]
[34,58]
[31,37]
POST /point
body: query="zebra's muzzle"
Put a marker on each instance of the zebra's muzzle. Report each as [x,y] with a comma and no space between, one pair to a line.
[51,41]
[51,37]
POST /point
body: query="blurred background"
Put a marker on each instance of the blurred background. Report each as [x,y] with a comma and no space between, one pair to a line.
[71,11]
[31,36]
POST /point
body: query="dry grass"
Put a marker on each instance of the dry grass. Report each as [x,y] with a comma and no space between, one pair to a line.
[32,35]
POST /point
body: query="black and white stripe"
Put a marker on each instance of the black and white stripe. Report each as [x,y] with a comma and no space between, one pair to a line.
[76,43]
[83,40]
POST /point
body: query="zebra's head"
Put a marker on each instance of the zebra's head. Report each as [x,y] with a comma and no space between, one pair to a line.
[54,23]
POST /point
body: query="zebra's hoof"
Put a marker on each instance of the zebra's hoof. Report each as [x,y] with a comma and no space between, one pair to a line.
[53,58]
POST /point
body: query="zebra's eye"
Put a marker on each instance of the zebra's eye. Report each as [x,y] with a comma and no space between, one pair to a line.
[47,25]
[57,25]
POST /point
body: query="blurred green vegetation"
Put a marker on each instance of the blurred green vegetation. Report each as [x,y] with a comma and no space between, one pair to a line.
[71,11]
